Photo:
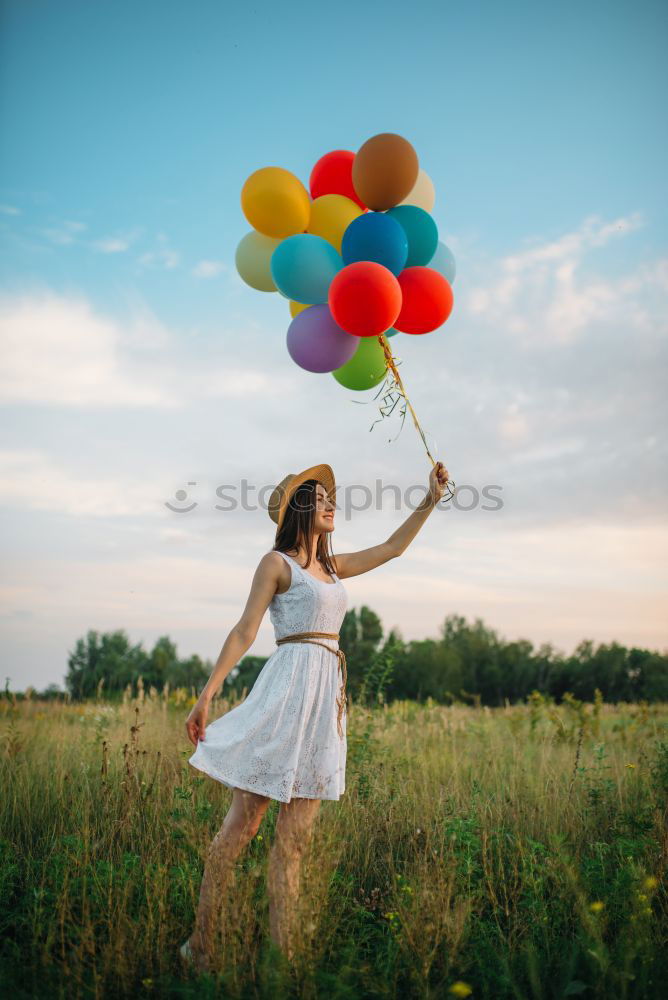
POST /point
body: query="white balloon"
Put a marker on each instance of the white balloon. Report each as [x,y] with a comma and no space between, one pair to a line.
[423,194]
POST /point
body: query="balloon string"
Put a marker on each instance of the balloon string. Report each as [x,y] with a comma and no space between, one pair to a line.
[390,363]
[391,366]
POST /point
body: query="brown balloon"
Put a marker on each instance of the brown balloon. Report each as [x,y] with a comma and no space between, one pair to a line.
[385,170]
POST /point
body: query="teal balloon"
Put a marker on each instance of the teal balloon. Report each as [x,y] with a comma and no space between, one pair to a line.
[303,266]
[391,332]
[444,262]
[421,231]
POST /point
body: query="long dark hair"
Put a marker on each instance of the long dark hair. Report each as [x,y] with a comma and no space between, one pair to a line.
[297,527]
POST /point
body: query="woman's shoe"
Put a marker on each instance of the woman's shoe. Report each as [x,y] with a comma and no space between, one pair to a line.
[189,958]
[186,952]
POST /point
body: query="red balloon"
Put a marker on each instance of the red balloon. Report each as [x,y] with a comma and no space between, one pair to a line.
[426,300]
[365,298]
[333,174]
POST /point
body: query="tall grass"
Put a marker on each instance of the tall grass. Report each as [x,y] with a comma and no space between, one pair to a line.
[516,852]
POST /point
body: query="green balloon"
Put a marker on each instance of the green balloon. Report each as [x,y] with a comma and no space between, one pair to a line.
[365,369]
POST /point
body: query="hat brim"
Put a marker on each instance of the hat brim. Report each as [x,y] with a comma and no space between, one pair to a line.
[322,473]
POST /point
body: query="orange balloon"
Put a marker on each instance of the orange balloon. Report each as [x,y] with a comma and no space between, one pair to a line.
[385,170]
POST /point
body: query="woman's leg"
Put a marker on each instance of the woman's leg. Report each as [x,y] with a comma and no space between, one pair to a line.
[294,831]
[239,827]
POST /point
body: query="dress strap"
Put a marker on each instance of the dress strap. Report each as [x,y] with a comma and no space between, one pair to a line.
[313,637]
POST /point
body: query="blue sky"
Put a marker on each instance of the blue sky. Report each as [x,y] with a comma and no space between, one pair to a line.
[136,360]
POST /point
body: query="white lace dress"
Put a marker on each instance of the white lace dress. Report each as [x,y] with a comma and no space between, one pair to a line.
[282,740]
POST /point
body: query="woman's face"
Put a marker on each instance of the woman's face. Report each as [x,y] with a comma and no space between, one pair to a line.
[324,511]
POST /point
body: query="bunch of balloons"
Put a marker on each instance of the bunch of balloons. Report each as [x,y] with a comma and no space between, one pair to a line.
[357,255]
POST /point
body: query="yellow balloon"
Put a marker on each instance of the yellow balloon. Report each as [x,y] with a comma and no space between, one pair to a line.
[275,202]
[331,214]
[296,308]
[423,194]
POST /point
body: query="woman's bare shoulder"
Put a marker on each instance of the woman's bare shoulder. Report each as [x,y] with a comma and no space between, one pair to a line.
[273,566]
[272,558]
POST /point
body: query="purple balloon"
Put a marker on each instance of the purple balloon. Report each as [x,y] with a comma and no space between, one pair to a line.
[317,343]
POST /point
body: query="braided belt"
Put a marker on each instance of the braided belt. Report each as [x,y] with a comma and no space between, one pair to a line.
[313,637]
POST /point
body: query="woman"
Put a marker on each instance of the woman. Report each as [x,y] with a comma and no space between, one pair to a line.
[287,739]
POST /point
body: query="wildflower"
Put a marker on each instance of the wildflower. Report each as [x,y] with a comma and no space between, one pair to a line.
[596,906]
[259,837]
[642,898]
[460,989]
[648,911]
[651,882]
[630,765]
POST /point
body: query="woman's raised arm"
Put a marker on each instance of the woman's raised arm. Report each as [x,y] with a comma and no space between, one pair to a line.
[354,563]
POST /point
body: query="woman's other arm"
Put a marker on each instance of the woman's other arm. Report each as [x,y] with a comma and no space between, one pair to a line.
[240,638]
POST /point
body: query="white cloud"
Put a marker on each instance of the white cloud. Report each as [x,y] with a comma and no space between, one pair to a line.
[592,233]
[116,244]
[549,453]
[163,256]
[10,210]
[31,480]
[541,296]
[169,259]
[209,268]
[558,350]
[64,234]
[58,350]
[514,425]
[113,244]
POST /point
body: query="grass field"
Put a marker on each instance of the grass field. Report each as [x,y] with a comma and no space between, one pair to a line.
[515,852]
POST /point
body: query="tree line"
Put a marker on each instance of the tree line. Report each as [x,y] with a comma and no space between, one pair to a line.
[465,662]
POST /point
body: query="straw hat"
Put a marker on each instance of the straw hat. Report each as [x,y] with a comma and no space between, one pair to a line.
[279,499]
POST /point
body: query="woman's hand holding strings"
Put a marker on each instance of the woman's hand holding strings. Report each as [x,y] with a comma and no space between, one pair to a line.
[438,480]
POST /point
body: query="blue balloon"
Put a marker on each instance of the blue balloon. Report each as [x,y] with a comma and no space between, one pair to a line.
[421,231]
[375,236]
[444,262]
[303,266]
